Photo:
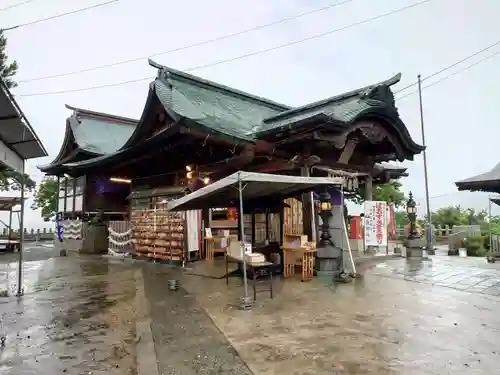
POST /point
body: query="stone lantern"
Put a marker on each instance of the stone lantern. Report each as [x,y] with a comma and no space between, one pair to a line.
[413,243]
[328,255]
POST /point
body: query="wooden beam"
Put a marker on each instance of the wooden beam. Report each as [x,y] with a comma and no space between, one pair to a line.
[273,165]
[347,152]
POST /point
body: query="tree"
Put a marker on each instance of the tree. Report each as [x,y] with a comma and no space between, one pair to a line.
[7,70]
[46,198]
[401,218]
[10,180]
[389,192]
[450,216]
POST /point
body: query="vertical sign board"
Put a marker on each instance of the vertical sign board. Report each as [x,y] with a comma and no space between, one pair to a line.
[375,223]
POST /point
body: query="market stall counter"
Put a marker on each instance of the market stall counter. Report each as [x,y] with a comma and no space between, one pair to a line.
[257,267]
[248,189]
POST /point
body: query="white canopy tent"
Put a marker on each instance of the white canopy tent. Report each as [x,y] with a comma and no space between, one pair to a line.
[226,192]
[247,187]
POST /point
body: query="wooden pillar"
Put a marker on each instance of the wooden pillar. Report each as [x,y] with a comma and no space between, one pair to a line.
[368,188]
[253,228]
[206,219]
[308,212]
[267,226]
[282,223]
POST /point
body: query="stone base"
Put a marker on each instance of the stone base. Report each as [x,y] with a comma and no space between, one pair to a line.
[95,240]
[356,245]
[328,259]
[327,265]
[414,248]
[414,252]
[413,242]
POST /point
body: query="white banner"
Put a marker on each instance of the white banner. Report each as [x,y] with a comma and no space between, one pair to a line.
[375,223]
[193,230]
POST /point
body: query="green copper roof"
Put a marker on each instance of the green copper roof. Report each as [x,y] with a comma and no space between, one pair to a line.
[217,109]
[99,136]
[214,106]
[342,109]
[94,133]
[245,117]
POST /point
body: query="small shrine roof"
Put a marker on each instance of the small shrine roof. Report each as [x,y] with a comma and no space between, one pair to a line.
[94,133]
[488,182]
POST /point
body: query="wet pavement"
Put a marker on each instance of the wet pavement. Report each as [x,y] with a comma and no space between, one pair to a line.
[378,325]
[76,316]
[186,339]
[473,275]
[79,316]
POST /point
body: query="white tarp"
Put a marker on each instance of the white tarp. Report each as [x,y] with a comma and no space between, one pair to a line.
[224,193]
[375,223]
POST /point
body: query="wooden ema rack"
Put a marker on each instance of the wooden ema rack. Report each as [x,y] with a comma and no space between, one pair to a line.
[298,252]
[159,234]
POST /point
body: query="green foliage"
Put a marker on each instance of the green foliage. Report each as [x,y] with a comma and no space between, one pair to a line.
[401,218]
[7,69]
[11,180]
[474,246]
[495,226]
[46,198]
[389,192]
[455,215]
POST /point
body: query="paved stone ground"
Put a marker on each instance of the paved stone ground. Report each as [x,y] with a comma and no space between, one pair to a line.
[76,317]
[79,314]
[186,340]
[378,325]
[472,275]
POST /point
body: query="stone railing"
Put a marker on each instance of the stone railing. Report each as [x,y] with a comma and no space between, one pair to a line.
[444,234]
[460,232]
[439,231]
[30,234]
[495,244]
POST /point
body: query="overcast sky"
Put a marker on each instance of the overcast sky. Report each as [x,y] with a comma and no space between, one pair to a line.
[460,113]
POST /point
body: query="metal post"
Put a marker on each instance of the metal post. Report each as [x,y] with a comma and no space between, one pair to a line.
[242,233]
[489,224]
[21,239]
[429,245]
[10,226]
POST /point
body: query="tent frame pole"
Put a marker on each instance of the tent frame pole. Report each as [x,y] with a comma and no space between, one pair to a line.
[20,289]
[242,234]
[489,224]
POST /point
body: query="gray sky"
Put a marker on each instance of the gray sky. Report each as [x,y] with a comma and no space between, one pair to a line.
[460,113]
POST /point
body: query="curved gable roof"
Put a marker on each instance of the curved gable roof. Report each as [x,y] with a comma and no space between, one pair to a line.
[488,182]
[92,133]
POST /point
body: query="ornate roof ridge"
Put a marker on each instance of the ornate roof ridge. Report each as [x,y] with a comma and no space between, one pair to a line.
[216,86]
[104,116]
[367,90]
